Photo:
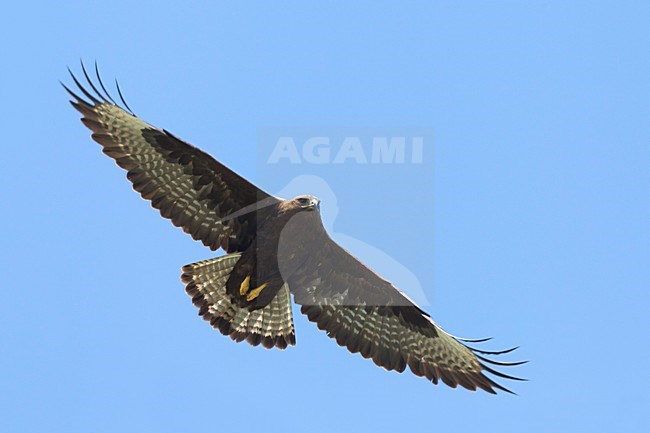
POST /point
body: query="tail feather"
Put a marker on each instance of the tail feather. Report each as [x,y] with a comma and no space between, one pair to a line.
[271,326]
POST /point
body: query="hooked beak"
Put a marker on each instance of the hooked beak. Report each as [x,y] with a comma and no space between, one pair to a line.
[314,204]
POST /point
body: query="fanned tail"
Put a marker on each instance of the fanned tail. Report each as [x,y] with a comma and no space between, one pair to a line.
[272,326]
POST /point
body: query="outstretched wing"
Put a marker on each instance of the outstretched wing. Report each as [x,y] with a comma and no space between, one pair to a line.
[367,314]
[196,192]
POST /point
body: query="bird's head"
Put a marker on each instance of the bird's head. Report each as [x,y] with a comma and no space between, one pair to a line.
[306,202]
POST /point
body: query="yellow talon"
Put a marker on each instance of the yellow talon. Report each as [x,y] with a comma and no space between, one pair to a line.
[255,293]
[245,285]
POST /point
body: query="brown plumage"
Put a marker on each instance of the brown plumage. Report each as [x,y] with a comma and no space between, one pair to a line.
[274,248]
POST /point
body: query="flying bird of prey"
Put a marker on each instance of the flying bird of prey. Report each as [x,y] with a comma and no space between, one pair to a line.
[274,248]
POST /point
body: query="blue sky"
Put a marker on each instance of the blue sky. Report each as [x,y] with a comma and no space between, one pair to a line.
[527,219]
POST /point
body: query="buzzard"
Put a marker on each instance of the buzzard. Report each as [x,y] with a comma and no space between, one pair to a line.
[274,248]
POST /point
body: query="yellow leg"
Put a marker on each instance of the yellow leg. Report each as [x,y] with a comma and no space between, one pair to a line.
[245,285]
[255,292]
